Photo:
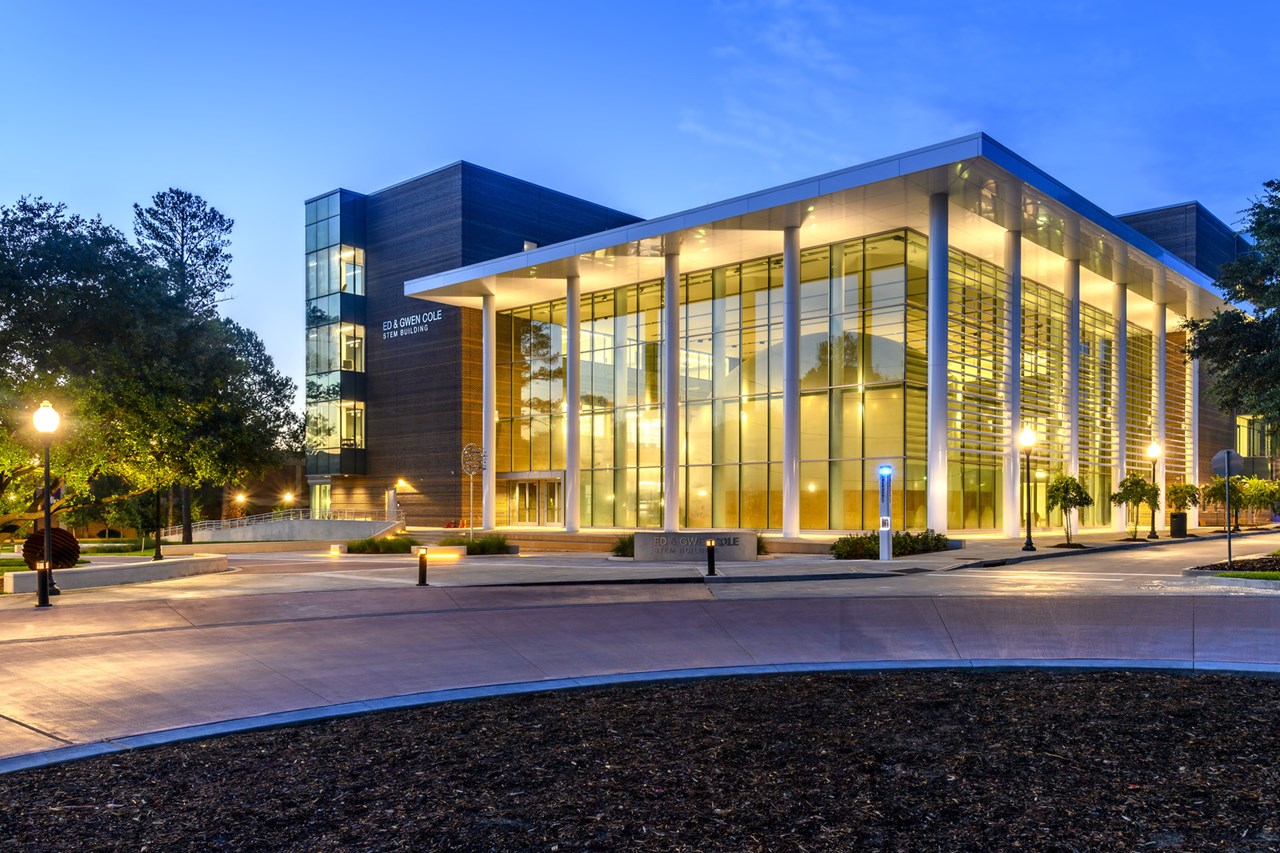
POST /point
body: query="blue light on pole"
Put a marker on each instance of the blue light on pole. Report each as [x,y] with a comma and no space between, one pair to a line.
[886,511]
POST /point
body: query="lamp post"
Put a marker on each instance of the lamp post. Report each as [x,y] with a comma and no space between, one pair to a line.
[1153,451]
[1027,440]
[46,422]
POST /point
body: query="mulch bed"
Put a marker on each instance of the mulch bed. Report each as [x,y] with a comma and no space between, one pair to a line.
[914,761]
[1250,564]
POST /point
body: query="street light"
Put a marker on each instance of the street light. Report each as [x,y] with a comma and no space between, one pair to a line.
[1153,451]
[1027,440]
[46,422]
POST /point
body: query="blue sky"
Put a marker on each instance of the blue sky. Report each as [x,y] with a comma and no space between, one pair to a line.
[649,108]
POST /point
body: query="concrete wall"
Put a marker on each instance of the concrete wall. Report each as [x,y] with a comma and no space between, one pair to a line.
[297,530]
[134,571]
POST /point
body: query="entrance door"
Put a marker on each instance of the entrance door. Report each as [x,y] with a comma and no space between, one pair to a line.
[551,503]
[535,502]
[524,502]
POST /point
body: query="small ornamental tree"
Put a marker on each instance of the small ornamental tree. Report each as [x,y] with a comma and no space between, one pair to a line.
[1181,496]
[1215,494]
[1134,492]
[1257,495]
[1067,494]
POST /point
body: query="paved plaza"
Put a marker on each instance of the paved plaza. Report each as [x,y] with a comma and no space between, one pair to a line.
[300,635]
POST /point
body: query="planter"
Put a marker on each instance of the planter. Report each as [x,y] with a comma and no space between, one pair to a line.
[1178,525]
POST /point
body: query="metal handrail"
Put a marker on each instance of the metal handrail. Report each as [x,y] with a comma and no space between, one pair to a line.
[285,515]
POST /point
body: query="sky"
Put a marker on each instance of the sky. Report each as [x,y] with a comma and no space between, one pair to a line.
[649,108]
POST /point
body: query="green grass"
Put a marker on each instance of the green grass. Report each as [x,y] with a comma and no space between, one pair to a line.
[1254,576]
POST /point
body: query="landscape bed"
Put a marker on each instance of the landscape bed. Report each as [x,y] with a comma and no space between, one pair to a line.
[927,760]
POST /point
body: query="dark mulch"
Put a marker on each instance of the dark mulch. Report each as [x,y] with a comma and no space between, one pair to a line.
[906,761]
[1252,564]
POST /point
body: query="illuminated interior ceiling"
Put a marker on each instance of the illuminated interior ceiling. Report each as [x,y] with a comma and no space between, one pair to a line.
[990,189]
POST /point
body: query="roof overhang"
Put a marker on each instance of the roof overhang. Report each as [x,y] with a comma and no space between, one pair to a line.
[992,190]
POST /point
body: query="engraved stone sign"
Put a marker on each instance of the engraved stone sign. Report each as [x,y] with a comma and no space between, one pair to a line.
[691,546]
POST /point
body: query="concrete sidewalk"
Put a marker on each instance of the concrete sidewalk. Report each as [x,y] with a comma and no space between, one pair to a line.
[109,669]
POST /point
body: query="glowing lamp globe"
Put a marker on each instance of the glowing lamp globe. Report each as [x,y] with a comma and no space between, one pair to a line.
[46,419]
[1027,438]
[1153,450]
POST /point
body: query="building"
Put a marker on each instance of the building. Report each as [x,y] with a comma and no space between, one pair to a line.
[917,311]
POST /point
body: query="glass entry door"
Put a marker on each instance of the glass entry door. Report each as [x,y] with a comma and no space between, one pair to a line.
[524,502]
[535,502]
[551,502]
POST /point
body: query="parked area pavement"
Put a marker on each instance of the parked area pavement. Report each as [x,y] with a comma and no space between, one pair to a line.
[308,634]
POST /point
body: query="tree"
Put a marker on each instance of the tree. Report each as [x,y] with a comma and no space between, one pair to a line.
[153,389]
[186,238]
[1067,494]
[1133,493]
[189,240]
[1181,496]
[1257,494]
[1215,494]
[1240,345]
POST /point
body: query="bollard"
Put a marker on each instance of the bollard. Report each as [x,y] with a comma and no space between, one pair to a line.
[711,558]
[422,566]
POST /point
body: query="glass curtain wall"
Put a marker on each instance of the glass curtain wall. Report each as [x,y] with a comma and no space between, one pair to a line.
[1094,422]
[335,358]
[1044,390]
[862,386]
[1177,410]
[976,421]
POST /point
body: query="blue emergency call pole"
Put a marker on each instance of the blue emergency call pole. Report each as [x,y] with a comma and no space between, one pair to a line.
[886,512]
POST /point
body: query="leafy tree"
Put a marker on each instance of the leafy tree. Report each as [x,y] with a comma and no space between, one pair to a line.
[1181,496]
[1067,494]
[1258,495]
[153,388]
[189,240]
[1215,494]
[1242,350]
[1133,493]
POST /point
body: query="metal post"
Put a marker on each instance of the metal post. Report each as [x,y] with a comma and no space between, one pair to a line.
[711,558]
[422,566]
[471,510]
[1153,534]
[1227,492]
[1028,545]
[45,572]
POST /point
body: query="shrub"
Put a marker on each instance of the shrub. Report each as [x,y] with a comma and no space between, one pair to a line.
[762,547]
[625,546]
[386,545]
[480,545]
[863,546]
[866,546]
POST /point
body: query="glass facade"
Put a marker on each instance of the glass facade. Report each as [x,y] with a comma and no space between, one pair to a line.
[862,367]
[335,323]
[976,422]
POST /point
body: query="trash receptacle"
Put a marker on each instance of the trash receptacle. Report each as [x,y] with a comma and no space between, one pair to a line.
[1178,525]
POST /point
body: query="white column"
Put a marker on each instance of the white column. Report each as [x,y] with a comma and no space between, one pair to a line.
[1161,377]
[1120,399]
[570,500]
[671,392]
[791,381]
[936,342]
[489,407]
[1013,381]
[1071,298]
[1193,513]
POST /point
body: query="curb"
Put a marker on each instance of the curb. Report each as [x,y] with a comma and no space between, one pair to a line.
[995,562]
